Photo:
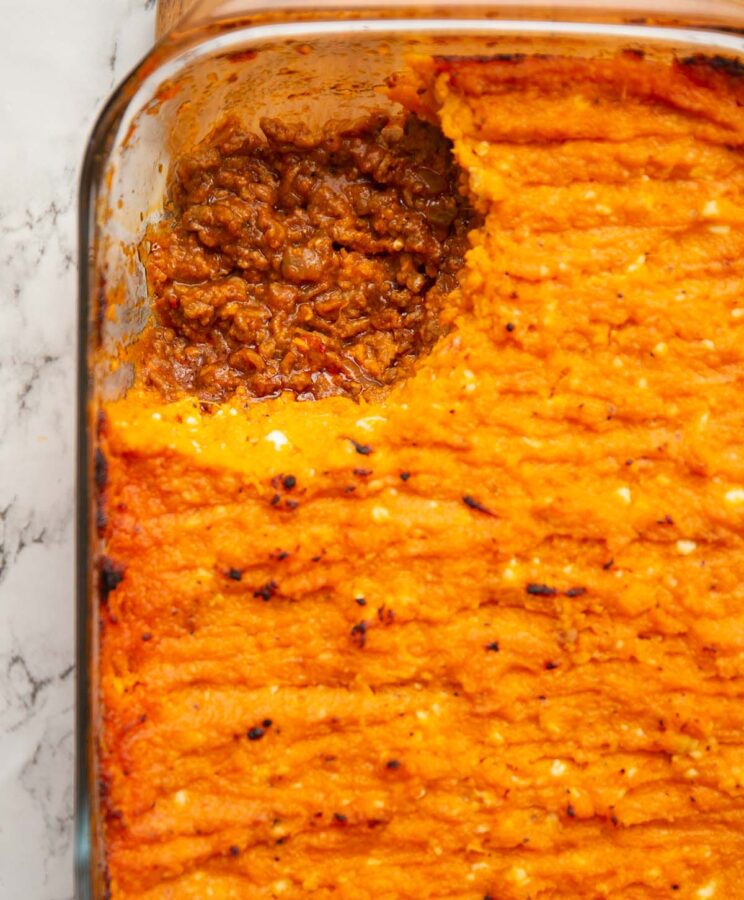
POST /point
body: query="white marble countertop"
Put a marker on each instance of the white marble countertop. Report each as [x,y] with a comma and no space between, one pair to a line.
[58,63]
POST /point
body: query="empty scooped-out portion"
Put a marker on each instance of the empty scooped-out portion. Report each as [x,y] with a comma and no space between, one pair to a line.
[312,264]
[480,634]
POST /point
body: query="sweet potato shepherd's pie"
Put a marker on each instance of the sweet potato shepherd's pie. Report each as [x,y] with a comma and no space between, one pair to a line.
[424,521]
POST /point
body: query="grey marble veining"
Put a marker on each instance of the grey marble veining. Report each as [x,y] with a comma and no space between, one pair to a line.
[58,62]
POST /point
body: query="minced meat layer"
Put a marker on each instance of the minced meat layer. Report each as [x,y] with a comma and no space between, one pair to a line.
[317,265]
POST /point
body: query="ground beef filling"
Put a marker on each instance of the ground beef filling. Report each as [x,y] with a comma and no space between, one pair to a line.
[314,265]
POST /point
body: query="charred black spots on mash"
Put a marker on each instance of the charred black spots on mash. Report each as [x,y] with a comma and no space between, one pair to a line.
[472,503]
[266,591]
[728,65]
[541,590]
[359,634]
[111,575]
[362,449]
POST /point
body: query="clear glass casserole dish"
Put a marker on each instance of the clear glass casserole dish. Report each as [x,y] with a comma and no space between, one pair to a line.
[299,64]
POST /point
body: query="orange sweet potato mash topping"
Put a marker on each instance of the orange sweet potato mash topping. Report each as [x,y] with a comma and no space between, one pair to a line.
[482,637]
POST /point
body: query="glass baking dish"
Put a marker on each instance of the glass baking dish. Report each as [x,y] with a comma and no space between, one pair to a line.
[297,64]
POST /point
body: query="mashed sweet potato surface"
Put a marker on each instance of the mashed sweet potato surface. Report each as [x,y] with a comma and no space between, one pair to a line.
[483,636]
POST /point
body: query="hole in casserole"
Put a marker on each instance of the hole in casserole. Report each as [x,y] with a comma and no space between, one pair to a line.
[311,264]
